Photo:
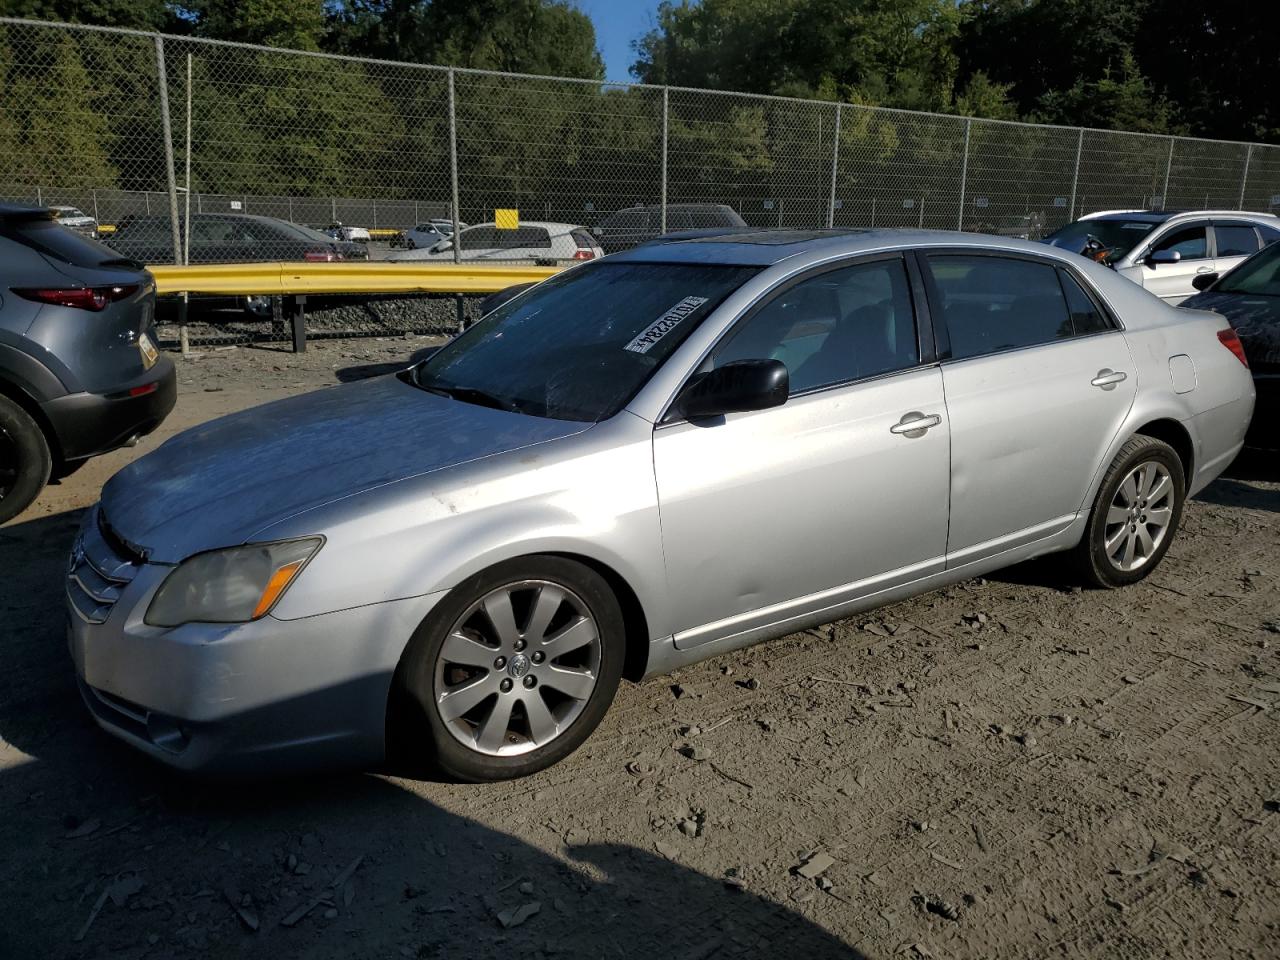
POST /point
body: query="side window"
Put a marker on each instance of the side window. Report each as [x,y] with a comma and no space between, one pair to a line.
[1269,235]
[841,325]
[1086,318]
[991,303]
[1188,241]
[1235,240]
[480,238]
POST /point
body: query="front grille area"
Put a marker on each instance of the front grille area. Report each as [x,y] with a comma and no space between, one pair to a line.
[100,568]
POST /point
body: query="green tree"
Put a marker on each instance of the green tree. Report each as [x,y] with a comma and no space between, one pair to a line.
[297,24]
[549,37]
[136,14]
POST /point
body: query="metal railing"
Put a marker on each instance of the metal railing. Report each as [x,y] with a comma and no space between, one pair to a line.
[172,141]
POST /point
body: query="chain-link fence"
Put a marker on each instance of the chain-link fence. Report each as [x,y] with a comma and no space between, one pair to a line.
[255,153]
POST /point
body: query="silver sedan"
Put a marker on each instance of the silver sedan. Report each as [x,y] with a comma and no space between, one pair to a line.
[642,462]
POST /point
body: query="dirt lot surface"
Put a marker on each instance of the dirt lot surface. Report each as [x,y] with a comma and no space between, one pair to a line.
[1008,768]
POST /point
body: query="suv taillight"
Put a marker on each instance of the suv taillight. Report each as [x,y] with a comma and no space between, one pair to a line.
[321,256]
[82,298]
[1229,339]
[581,254]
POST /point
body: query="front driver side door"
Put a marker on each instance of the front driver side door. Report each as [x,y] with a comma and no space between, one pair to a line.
[1171,282]
[775,514]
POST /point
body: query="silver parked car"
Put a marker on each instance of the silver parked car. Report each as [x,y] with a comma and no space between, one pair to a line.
[1164,252]
[639,463]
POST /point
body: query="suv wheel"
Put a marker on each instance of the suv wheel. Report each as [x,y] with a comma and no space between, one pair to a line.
[513,670]
[25,461]
[1135,515]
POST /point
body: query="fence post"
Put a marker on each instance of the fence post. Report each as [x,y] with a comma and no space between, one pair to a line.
[835,166]
[1168,166]
[964,179]
[167,131]
[453,187]
[1075,177]
[1244,177]
[665,103]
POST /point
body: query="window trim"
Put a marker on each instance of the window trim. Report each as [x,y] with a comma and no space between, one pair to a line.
[943,334]
[1246,224]
[666,418]
[1170,227]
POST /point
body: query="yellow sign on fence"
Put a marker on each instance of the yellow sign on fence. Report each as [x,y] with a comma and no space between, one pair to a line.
[506,219]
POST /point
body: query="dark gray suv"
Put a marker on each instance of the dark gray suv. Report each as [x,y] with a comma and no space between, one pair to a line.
[80,373]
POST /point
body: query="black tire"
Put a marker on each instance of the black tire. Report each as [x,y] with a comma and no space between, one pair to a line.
[1091,558]
[25,460]
[417,731]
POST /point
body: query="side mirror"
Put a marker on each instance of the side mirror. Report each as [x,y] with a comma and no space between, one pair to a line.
[736,387]
[1203,281]
[1164,256]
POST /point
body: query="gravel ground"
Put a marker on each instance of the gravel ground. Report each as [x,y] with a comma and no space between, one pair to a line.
[1007,768]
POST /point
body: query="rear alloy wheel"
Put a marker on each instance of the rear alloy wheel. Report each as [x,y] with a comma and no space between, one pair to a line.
[1135,514]
[25,461]
[516,667]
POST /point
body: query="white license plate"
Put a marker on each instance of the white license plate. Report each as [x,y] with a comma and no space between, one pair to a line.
[148,350]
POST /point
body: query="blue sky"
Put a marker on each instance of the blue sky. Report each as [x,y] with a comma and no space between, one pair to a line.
[617,23]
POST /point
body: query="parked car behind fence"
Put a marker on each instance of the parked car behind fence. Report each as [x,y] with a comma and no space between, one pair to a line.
[538,241]
[229,238]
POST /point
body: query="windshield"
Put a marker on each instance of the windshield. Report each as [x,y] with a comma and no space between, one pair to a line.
[1258,276]
[579,346]
[1118,236]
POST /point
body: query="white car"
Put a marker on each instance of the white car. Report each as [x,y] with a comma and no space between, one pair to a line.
[534,240]
[429,234]
[1164,252]
[73,218]
[352,234]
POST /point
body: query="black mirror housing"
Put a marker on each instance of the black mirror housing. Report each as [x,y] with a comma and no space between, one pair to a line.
[735,388]
[1203,281]
[1164,256]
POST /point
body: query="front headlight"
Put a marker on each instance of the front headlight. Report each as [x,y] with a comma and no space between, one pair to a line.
[230,586]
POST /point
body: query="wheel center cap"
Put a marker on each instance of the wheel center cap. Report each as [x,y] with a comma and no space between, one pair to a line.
[518,665]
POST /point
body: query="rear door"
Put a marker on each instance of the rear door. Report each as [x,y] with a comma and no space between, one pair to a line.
[1234,241]
[1038,379]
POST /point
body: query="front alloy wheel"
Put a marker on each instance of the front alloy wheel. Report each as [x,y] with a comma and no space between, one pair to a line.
[517,668]
[512,670]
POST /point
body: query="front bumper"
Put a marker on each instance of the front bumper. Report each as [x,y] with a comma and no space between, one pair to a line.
[255,698]
[87,424]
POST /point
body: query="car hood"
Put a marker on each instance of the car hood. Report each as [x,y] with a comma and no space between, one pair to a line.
[1256,320]
[217,484]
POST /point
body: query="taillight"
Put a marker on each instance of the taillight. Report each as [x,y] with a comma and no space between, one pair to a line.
[82,298]
[1228,338]
[320,256]
[581,254]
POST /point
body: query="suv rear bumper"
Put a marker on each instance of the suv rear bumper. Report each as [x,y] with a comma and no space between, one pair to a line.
[87,424]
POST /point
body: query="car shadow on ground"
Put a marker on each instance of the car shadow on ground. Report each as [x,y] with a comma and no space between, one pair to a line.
[103,845]
[1244,484]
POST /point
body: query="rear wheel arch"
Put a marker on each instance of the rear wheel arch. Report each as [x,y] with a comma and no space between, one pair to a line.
[31,407]
[1175,435]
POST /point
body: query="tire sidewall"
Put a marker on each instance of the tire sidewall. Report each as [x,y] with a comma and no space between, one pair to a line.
[34,461]
[1149,451]
[418,671]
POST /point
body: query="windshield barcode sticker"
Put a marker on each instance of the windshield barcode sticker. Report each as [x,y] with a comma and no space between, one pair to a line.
[666,323]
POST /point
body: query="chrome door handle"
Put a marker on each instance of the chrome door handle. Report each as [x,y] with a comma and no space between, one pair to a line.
[915,424]
[1108,378]
[1204,269]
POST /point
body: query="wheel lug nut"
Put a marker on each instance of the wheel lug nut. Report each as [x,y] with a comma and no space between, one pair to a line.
[505,686]
[499,663]
[538,656]
[519,645]
[530,681]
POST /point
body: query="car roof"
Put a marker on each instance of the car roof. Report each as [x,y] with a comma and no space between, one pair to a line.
[1160,216]
[550,224]
[24,211]
[767,247]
